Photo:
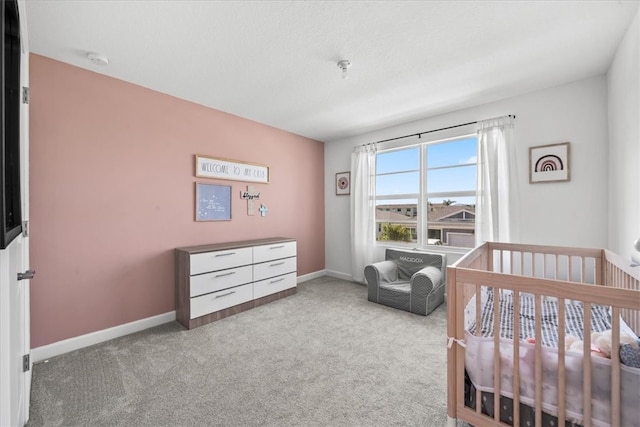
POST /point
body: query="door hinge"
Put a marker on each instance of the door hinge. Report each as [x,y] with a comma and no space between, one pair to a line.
[25,228]
[27,275]
[25,95]
[26,364]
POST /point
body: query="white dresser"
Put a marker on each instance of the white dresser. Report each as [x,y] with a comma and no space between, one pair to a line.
[216,281]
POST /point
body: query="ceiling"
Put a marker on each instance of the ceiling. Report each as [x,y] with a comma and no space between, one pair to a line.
[275,62]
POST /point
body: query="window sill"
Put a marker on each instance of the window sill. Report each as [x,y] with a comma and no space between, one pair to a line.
[431,248]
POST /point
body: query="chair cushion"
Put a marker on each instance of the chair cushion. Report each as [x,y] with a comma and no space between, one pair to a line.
[403,287]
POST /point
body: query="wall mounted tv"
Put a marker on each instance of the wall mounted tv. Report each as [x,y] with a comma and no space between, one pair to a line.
[10,199]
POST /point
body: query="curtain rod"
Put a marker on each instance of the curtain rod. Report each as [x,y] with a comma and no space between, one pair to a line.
[434,130]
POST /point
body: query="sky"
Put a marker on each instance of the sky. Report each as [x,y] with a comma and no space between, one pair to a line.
[441,177]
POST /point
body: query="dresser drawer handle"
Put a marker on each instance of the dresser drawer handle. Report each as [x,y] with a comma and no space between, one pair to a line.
[224,295]
[226,254]
[276,264]
[225,274]
[276,281]
[276,247]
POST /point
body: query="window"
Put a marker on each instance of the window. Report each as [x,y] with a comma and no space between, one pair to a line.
[426,193]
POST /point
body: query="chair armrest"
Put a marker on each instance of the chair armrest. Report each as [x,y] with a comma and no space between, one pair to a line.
[427,279]
[381,272]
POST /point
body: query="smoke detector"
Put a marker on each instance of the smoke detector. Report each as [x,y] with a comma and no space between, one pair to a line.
[98,59]
[344,66]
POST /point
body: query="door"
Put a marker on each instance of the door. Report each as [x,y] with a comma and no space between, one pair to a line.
[15,371]
[16,339]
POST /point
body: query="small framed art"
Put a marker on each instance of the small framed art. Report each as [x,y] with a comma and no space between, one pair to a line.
[213,202]
[343,183]
[549,163]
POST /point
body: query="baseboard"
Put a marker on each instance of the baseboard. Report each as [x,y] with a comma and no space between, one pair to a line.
[61,347]
[311,276]
[339,275]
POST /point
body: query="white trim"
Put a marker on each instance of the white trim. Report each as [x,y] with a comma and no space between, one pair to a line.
[5,338]
[339,275]
[311,276]
[61,347]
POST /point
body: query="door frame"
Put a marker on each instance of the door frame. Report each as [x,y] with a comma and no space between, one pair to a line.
[24,188]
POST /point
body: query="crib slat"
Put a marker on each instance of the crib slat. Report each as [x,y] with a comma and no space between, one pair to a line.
[615,367]
[453,317]
[496,354]
[516,358]
[538,361]
[599,277]
[478,309]
[561,361]
[586,365]
[458,352]
[478,330]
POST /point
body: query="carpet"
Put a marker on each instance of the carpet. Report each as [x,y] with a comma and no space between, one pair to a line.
[323,357]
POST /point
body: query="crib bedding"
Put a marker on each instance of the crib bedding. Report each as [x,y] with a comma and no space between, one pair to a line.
[574,315]
[479,360]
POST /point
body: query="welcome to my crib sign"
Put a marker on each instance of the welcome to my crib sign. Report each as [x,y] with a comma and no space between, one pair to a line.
[211,167]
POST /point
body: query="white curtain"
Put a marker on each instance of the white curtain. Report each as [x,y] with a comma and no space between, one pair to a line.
[497,205]
[363,220]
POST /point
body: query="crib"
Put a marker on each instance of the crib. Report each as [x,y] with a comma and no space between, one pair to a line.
[509,308]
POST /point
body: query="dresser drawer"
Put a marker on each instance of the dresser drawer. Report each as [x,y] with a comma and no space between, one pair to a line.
[218,280]
[273,285]
[216,301]
[273,268]
[220,260]
[275,251]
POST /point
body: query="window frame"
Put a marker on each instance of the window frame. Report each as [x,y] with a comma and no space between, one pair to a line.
[422,197]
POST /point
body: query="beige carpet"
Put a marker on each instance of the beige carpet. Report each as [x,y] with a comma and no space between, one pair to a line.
[323,357]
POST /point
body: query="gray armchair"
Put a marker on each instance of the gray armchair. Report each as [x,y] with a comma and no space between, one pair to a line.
[409,280]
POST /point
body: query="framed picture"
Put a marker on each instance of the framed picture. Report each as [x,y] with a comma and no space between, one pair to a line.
[343,183]
[213,202]
[549,163]
[212,167]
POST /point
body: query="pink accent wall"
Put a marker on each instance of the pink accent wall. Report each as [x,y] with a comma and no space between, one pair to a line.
[112,194]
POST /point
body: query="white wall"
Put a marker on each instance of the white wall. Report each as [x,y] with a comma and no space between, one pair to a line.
[570,213]
[624,144]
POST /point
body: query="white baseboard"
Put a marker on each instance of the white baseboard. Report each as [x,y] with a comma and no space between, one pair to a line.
[339,275]
[57,348]
[61,347]
[311,276]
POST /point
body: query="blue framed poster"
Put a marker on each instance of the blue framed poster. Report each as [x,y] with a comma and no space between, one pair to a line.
[213,202]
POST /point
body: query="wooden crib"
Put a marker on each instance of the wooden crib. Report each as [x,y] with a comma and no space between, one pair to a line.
[523,374]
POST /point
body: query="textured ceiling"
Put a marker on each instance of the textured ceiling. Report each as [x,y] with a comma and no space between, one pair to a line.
[275,61]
